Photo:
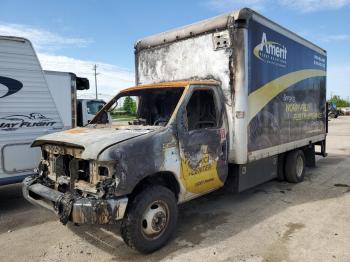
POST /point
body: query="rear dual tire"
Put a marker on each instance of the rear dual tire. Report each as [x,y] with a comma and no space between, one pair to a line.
[294,168]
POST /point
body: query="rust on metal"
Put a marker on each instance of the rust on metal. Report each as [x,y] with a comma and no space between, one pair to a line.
[174,84]
[77,131]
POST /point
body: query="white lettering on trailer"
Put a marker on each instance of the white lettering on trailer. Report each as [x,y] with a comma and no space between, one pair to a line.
[271,52]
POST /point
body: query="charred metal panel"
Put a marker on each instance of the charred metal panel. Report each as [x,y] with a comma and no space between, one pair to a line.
[71,206]
[203,151]
[143,156]
[93,140]
[203,166]
[203,27]
[193,58]
[239,109]
[94,211]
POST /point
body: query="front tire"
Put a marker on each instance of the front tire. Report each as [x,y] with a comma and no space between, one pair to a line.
[295,166]
[150,220]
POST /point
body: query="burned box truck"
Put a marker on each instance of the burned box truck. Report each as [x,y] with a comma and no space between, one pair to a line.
[232,101]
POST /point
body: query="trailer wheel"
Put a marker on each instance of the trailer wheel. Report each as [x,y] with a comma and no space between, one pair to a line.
[295,166]
[150,220]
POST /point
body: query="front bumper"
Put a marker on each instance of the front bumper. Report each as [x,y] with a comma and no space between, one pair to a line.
[80,210]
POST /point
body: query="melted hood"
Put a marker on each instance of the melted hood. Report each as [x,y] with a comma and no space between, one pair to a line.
[93,140]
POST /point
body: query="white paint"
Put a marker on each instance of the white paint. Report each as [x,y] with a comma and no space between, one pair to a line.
[18,60]
[3,90]
[27,155]
[172,163]
[239,141]
[60,84]
[258,154]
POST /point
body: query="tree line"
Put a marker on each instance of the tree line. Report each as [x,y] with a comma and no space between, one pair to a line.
[339,102]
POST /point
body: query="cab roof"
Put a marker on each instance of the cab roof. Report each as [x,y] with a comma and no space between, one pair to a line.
[173,84]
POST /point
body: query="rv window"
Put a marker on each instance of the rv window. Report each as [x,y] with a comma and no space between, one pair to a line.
[201,110]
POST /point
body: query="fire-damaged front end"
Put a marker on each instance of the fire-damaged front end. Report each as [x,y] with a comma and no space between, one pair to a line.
[86,175]
[79,190]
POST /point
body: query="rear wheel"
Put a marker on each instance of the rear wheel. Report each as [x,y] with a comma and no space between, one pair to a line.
[150,220]
[295,166]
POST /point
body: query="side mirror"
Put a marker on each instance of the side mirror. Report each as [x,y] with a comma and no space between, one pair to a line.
[82,83]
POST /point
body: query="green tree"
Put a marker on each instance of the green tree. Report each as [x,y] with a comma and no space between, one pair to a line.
[129,105]
[339,102]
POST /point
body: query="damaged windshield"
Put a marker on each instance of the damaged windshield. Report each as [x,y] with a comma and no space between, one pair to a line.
[151,107]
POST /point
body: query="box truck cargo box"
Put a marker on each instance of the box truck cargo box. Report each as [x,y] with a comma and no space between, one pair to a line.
[232,101]
[274,81]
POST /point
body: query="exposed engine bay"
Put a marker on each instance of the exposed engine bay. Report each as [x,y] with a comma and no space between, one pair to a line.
[67,171]
[77,186]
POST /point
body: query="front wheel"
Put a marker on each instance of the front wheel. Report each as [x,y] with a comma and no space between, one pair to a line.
[150,220]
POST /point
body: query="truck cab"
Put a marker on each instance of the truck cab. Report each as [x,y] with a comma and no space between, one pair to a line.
[87,109]
[173,150]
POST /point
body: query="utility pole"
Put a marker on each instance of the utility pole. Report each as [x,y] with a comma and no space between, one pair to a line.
[95,73]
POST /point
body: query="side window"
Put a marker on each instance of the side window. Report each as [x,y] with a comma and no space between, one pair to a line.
[94,106]
[201,110]
[125,110]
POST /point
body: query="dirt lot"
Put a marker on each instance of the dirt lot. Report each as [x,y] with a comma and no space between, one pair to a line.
[273,222]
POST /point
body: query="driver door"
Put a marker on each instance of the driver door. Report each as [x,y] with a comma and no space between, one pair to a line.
[202,140]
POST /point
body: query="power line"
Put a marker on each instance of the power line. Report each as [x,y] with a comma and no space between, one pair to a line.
[95,73]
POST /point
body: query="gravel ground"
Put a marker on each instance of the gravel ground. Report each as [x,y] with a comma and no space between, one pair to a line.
[275,221]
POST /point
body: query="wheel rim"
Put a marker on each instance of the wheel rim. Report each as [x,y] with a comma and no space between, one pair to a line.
[155,219]
[300,166]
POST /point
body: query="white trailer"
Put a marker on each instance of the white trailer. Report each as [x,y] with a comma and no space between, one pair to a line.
[27,108]
[33,102]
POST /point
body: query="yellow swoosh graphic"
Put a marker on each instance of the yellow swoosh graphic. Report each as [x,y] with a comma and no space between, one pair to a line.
[257,48]
[260,97]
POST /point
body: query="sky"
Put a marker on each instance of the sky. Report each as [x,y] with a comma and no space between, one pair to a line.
[74,35]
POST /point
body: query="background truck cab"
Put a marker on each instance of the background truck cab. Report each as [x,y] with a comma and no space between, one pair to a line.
[87,109]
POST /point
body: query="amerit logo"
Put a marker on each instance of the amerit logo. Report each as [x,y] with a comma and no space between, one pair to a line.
[271,52]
